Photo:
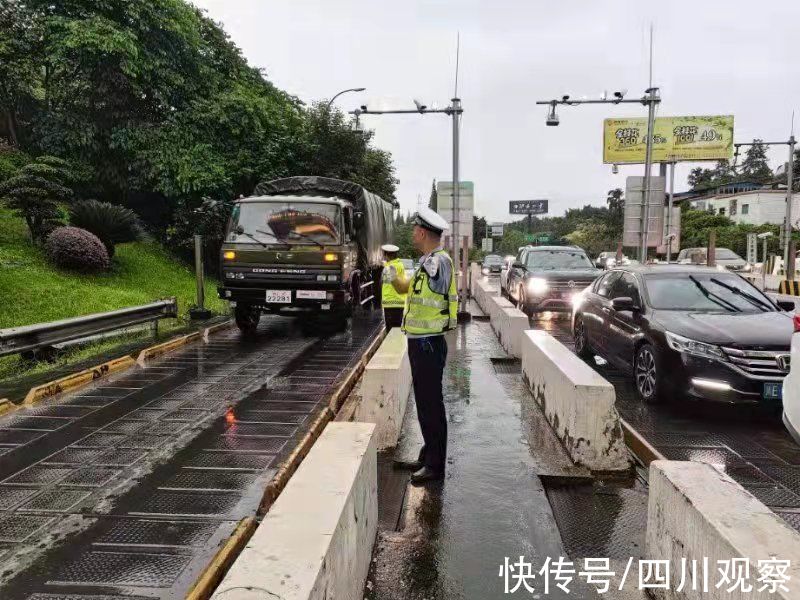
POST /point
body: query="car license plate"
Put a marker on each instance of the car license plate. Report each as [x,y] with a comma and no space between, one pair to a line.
[311,294]
[773,391]
[279,296]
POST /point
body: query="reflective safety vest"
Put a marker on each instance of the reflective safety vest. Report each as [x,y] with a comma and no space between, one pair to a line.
[427,311]
[390,297]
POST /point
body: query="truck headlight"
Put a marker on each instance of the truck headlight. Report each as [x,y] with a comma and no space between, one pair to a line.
[333,278]
[687,346]
[537,285]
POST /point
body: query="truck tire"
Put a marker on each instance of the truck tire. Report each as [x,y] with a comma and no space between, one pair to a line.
[247,318]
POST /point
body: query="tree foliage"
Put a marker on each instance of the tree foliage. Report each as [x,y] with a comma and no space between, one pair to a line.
[755,166]
[159,109]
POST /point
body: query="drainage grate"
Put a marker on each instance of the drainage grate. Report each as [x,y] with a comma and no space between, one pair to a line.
[774,495]
[40,474]
[99,440]
[272,416]
[89,401]
[506,366]
[166,403]
[11,496]
[184,415]
[74,456]
[91,477]
[59,500]
[18,528]
[293,406]
[71,412]
[146,442]
[19,436]
[230,460]
[143,532]
[172,428]
[146,414]
[126,427]
[34,422]
[177,503]
[215,480]
[245,444]
[260,429]
[109,392]
[116,568]
[120,458]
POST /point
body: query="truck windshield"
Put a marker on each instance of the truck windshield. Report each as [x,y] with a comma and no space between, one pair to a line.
[286,222]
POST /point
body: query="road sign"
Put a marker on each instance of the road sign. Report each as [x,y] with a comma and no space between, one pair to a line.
[633,212]
[487,244]
[752,248]
[527,207]
[496,229]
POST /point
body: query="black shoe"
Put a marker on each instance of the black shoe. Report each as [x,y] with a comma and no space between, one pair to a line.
[408,465]
[426,474]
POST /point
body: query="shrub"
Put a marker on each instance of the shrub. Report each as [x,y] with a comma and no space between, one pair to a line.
[35,192]
[112,223]
[77,249]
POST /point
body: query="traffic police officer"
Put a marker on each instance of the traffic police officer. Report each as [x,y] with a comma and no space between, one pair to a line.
[431,311]
[392,301]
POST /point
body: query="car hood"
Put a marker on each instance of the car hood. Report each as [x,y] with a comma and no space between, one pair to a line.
[567,274]
[770,330]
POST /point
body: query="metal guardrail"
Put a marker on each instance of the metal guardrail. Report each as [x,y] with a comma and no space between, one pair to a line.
[32,337]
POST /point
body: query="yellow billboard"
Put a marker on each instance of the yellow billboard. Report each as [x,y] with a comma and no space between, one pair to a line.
[674,139]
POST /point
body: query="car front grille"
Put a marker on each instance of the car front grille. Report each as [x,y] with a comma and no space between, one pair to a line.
[564,286]
[760,363]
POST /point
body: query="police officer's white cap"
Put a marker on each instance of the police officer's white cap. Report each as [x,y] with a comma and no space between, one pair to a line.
[390,248]
[430,220]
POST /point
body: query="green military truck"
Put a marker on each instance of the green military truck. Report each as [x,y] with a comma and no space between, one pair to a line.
[304,245]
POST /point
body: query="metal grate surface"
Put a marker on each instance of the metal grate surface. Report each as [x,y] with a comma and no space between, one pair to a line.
[596,522]
[504,366]
[74,456]
[91,477]
[144,532]
[230,460]
[260,429]
[116,568]
[19,436]
[774,495]
[119,458]
[262,445]
[11,496]
[209,480]
[18,528]
[184,415]
[40,474]
[83,597]
[99,440]
[169,502]
[35,422]
[59,500]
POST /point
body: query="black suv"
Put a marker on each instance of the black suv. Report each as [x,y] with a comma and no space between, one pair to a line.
[546,278]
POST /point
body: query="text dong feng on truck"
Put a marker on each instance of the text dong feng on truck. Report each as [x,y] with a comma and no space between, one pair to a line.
[304,245]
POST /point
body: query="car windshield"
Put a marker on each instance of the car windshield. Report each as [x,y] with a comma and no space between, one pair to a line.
[284,222]
[725,254]
[557,259]
[705,292]
[493,260]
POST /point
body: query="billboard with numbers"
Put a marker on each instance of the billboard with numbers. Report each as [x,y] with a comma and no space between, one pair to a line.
[675,139]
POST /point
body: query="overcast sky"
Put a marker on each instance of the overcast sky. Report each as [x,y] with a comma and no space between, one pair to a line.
[711,57]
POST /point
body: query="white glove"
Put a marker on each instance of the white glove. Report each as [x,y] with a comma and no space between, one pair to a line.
[389,274]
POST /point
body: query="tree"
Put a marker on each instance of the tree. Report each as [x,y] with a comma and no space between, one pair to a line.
[594,236]
[433,201]
[755,166]
[700,178]
[35,193]
[616,208]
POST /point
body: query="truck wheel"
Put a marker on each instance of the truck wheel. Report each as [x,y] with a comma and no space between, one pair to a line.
[247,318]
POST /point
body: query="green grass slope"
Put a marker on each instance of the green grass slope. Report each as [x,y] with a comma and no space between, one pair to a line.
[33,291]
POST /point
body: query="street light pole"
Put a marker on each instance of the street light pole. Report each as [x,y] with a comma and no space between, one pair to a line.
[358,89]
[454,110]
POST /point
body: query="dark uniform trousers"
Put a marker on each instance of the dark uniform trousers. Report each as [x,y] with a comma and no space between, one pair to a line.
[393,317]
[427,356]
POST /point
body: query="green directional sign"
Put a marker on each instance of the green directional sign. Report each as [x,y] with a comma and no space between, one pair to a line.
[529,237]
[539,238]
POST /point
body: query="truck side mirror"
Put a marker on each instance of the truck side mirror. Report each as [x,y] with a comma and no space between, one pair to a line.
[358,219]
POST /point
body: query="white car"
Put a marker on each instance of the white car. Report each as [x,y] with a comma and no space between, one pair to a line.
[791,386]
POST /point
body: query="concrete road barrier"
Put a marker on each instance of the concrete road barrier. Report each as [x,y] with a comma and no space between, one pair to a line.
[698,513]
[385,386]
[507,321]
[577,401]
[474,276]
[316,540]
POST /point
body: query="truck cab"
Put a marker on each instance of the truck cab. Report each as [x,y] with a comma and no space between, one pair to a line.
[300,253]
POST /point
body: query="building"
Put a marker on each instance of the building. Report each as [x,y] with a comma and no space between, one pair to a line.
[744,202]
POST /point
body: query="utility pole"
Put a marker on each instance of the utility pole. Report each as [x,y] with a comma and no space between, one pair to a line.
[786,230]
[650,99]
[454,110]
[669,237]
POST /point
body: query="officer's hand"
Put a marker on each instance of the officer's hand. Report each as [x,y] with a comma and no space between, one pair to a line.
[389,274]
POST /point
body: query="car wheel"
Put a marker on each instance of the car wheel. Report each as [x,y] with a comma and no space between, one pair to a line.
[582,348]
[647,374]
[522,303]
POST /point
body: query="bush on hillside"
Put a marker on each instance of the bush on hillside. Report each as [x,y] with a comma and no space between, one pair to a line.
[112,223]
[76,249]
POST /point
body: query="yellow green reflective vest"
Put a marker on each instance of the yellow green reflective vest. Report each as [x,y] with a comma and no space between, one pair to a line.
[429,312]
[390,297]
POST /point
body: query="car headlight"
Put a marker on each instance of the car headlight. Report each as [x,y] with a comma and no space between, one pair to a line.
[537,285]
[485,270]
[748,267]
[687,346]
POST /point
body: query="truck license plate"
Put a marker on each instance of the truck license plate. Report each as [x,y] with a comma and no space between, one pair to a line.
[279,296]
[311,294]
[773,391]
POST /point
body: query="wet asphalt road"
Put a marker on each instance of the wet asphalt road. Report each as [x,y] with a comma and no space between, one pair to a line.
[126,489]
